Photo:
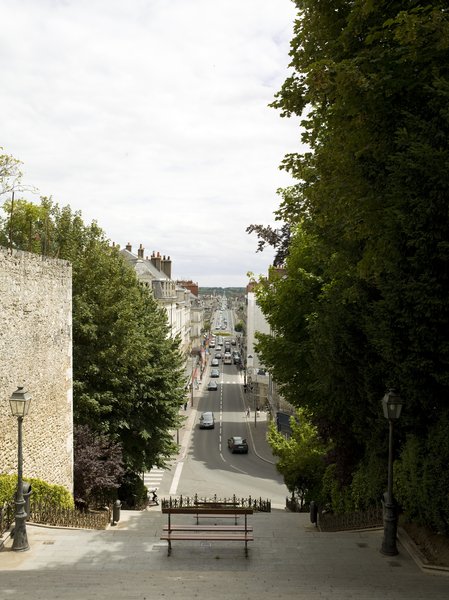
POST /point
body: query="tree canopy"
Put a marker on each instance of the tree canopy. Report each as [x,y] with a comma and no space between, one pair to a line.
[363,306]
[127,371]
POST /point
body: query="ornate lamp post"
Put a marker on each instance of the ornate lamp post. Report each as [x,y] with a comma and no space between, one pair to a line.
[20,404]
[392,406]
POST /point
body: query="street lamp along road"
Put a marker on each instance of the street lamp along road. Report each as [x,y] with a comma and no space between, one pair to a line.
[392,406]
[20,404]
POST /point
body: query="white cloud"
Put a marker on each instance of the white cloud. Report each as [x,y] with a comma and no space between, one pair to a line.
[151,117]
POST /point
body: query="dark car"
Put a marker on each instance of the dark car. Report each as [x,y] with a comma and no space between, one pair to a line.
[238,444]
[212,386]
[215,372]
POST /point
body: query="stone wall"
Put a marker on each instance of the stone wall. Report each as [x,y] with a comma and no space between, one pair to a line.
[36,352]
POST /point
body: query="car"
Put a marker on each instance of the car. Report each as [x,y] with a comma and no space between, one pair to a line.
[218,347]
[214,362]
[215,372]
[207,420]
[212,344]
[233,342]
[212,386]
[237,444]
[217,355]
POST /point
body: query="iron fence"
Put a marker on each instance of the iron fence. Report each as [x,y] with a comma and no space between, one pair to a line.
[47,514]
[6,517]
[367,519]
[257,504]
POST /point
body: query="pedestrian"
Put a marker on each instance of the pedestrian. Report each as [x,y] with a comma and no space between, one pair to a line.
[185,405]
[247,412]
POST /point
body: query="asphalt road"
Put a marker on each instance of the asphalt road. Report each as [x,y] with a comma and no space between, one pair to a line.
[207,467]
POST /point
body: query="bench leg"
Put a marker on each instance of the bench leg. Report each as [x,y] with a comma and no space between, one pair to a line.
[169,548]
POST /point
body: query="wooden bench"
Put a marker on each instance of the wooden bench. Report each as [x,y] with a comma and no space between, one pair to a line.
[216,532]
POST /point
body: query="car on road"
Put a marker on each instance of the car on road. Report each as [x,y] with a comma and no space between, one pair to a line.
[215,372]
[214,362]
[207,420]
[212,386]
[238,445]
[236,358]
[217,355]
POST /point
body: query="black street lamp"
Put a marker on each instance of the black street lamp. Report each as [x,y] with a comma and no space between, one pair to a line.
[20,404]
[392,406]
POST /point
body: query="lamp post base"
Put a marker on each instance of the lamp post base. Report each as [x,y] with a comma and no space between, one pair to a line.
[20,541]
[389,547]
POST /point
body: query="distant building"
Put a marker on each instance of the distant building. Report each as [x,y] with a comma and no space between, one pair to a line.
[188,285]
[184,311]
[264,388]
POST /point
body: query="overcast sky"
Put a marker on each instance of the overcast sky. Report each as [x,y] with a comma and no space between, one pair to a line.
[151,117]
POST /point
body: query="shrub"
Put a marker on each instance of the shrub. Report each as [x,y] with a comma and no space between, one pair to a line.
[132,492]
[44,492]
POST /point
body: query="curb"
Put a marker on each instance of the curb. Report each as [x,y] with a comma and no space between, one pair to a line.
[420,560]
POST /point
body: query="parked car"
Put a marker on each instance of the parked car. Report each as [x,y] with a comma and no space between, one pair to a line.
[238,445]
[207,420]
[215,372]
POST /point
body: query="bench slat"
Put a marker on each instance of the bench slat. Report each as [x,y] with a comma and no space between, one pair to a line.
[208,537]
[207,510]
[208,528]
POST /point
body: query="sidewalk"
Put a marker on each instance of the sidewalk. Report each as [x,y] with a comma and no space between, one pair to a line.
[288,559]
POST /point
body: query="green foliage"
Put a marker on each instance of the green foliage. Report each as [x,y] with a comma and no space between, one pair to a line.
[422,479]
[362,305]
[42,491]
[128,372]
[132,491]
[300,457]
[8,487]
[334,496]
[239,327]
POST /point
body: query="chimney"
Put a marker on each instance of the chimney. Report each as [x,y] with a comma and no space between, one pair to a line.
[156,260]
[129,247]
[166,266]
[140,251]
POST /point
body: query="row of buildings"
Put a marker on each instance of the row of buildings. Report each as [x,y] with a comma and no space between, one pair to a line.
[179,298]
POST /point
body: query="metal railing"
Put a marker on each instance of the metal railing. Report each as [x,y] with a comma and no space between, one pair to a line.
[6,517]
[69,517]
[367,519]
[257,504]
[47,514]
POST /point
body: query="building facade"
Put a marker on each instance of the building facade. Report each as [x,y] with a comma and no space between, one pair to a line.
[184,310]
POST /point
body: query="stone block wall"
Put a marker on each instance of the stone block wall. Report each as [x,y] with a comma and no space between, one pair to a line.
[36,352]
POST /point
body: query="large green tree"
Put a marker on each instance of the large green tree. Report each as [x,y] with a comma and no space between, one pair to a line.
[128,372]
[367,269]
